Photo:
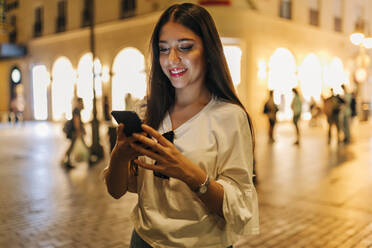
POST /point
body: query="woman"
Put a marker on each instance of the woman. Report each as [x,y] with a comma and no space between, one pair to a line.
[194,185]
[296,106]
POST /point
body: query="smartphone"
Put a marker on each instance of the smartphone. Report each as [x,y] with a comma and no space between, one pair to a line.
[132,122]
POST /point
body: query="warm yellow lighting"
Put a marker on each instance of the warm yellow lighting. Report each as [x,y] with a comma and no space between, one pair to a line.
[262,70]
[62,88]
[233,56]
[310,77]
[85,85]
[361,75]
[40,82]
[367,42]
[129,77]
[282,78]
[105,74]
[356,38]
[334,75]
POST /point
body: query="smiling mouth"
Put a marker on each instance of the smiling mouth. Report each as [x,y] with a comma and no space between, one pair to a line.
[177,72]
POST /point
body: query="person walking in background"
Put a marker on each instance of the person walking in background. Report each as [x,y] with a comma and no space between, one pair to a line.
[332,108]
[346,114]
[202,143]
[74,130]
[296,107]
[315,112]
[270,109]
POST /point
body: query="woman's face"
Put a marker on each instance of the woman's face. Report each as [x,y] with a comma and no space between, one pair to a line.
[181,56]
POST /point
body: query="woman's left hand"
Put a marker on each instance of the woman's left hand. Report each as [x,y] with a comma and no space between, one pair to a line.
[170,161]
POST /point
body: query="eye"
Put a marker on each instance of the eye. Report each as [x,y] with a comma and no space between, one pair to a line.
[186,47]
[163,50]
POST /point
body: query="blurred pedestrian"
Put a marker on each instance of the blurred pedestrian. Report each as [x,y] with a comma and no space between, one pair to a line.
[106,109]
[74,130]
[315,112]
[270,109]
[17,106]
[332,108]
[205,196]
[296,107]
[130,102]
[348,97]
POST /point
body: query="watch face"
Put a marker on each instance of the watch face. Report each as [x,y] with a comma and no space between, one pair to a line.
[203,189]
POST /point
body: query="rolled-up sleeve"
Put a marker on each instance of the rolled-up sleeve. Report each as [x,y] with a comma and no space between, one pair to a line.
[234,173]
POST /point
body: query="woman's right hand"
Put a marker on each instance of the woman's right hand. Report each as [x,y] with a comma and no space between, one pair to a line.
[122,147]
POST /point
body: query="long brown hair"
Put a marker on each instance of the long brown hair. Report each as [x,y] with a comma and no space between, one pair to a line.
[218,79]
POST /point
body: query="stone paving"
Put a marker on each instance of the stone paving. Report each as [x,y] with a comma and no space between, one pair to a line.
[312,195]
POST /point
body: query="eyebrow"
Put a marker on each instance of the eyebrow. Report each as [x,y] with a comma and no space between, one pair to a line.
[180,40]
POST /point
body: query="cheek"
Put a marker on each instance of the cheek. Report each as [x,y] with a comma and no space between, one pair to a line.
[197,62]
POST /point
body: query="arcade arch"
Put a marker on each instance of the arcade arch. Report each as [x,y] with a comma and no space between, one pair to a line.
[63,82]
[129,76]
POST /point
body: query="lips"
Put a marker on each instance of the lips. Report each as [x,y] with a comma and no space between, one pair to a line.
[177,72]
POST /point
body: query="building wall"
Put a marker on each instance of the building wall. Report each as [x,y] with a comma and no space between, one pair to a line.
[258,32]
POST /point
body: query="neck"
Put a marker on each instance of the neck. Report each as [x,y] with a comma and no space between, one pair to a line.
[185,97]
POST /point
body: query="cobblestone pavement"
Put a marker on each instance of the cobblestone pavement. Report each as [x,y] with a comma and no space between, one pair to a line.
[311,195]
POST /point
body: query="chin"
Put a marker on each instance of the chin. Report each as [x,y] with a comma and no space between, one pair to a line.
[178,85]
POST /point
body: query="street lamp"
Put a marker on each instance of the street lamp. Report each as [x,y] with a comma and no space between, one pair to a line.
[362,62]
[96,149]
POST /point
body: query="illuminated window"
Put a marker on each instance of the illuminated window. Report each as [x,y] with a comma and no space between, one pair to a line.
[40,82]
[128,77]
[62,89]
[233,56]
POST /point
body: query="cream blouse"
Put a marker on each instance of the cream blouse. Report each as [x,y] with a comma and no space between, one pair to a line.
[170,214]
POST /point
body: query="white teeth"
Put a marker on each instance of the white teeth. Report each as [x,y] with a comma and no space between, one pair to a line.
[177,71]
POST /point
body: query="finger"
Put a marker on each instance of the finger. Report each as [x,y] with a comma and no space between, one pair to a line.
[120,131]
[160,138]
[151,143]
[146,152]
[148,166]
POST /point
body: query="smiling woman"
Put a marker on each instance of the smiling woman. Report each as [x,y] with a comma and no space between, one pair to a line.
[194,188]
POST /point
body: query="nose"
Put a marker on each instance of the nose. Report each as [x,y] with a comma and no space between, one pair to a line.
[174,56]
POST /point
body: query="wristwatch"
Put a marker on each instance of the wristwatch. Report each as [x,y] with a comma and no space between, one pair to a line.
[202,189]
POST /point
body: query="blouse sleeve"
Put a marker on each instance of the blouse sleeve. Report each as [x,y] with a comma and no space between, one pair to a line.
[234,173]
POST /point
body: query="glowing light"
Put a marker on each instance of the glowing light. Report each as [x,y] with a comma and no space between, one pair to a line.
[334,75]
[282,78]
[129,77]
[356,38]
[310,77]
[16,75]
[85,85]
[62,88]
[361,75]
[233,56]
[40,82]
